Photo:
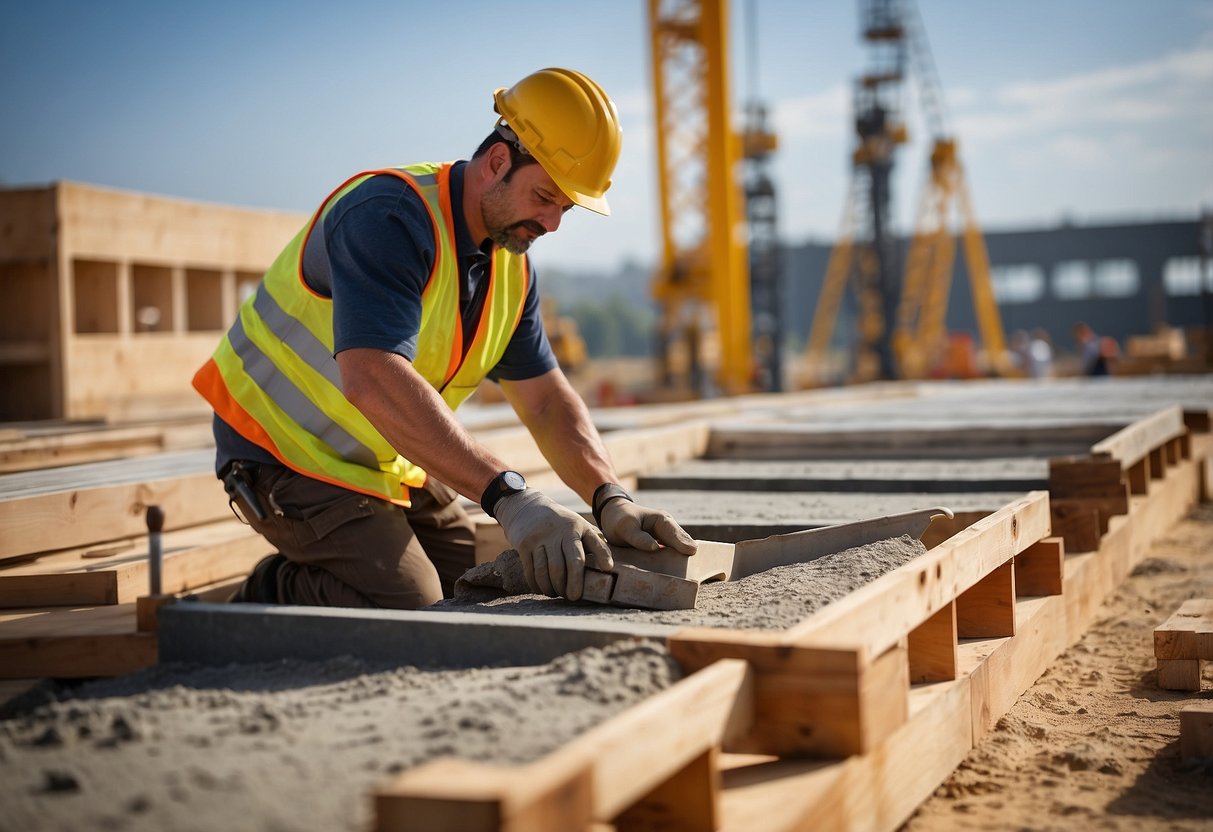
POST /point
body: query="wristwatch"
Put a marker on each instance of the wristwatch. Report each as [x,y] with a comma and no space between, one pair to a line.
[503,485]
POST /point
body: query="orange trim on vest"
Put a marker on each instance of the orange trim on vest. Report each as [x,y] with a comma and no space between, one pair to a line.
[444,200]
[209,382]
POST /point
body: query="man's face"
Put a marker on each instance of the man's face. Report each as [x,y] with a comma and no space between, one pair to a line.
[520,208]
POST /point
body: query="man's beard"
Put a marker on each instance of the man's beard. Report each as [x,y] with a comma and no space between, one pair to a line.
[495,208]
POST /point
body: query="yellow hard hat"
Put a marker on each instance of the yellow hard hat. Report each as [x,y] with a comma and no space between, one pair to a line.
[570,125]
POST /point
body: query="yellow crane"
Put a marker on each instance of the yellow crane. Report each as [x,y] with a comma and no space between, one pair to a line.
[901,322]
[702,281]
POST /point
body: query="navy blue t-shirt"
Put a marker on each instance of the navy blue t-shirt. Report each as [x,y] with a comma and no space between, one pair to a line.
[373,255]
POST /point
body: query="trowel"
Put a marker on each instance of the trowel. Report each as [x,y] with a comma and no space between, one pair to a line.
[667,580]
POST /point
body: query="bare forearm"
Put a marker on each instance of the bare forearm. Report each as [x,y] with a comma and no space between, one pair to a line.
[412,416]
[560,423]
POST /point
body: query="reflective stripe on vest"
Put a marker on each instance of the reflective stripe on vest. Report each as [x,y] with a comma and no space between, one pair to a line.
[274,379]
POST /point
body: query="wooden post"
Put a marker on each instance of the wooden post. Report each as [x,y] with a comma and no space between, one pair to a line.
[987,609]
[932,648]
[1040,568]
[687,802]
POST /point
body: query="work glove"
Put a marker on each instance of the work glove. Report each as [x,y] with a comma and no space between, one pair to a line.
[627,524]
[554,543]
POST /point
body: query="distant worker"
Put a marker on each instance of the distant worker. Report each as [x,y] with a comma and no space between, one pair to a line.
[334,390]
[1040,354]
[1095,354]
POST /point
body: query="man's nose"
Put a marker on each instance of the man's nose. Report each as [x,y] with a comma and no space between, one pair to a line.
[550,219]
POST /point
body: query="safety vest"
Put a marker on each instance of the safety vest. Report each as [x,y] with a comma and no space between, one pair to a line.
[273,377]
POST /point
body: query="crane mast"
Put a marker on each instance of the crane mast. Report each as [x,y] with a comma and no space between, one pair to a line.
[702,281]
[902,317]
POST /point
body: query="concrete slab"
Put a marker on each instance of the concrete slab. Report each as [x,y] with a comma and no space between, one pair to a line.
[219,634]
[933,476]
[746,515]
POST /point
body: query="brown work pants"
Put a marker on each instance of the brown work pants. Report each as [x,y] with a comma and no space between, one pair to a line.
[345,549]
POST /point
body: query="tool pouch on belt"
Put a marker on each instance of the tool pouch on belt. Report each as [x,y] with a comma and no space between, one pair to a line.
[238,477]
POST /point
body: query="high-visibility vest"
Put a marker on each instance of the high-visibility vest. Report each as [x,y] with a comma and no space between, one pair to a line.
[273,377]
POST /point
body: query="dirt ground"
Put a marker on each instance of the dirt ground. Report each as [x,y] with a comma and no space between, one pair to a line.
[1094,744]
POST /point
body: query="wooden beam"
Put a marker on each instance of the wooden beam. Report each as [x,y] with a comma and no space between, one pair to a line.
[193,558]
[807,701]
[62,519]
[1187,633]
[880,614]
[1134,441]
[599,775]
[74,643]
[1000,670]
[1179,674]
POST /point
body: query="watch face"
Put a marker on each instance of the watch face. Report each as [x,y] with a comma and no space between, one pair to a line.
[513,480]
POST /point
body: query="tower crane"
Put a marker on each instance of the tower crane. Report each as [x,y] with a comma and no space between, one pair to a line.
[702,282]
[901,318]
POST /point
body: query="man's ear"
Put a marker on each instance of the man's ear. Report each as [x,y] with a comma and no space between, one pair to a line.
[499,160]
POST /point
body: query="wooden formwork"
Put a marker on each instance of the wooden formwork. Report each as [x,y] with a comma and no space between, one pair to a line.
[847,720]
[859,712]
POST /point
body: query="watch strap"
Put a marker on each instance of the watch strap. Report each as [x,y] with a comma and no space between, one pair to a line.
[497,489]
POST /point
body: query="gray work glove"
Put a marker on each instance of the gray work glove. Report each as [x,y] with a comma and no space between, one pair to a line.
[555,543]
[646,529]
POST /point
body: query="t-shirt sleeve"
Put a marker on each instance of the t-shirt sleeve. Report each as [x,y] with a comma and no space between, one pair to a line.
[528,354]
[380,249]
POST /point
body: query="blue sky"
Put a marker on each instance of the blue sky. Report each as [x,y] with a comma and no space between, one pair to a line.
[1084,109]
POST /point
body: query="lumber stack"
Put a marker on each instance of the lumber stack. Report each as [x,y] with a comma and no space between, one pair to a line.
[74,559]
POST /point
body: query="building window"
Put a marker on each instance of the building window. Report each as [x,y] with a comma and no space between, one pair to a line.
[1072,280]
[1116,279]
[1018,283]
[1181,276]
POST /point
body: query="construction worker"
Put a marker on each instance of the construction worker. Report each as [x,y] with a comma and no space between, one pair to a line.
[335,388]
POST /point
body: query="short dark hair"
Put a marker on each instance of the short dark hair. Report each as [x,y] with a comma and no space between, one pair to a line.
[518,158]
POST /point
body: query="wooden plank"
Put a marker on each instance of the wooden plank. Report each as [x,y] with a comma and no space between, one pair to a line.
[600,774]
[80,517]
[1133,442]
[1196,731]
[987,609]
[807,701]
[73,643]
[874,791]
[878,615]
[478,797]
[1000,670]
[1040,568]
[1187,633]
[932,648]
[193,558]
[70,448]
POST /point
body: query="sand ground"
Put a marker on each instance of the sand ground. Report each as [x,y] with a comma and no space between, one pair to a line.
[1094,744]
